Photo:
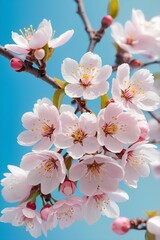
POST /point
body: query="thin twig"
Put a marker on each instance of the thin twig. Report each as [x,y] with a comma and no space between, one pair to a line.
[94,35]
[29,68]
[138,223]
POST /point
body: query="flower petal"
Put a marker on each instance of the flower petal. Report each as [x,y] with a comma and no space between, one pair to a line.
[62,39]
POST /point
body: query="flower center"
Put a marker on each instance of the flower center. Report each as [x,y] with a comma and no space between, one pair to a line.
[110,128]
[78,136]
[135,160]
[68,213]
[94,168]
[28,32]
[50,164]
[128,93]
[47,130]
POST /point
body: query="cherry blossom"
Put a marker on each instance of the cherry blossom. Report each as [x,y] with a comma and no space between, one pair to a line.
[96,172]
[136,161]
[14,184]
[46,168]
[77,134]
[155,165]
[67,211]
[102,204]
[138,36]
[116,128]
[87,79]
[21,215]
[154,126]
[135,92]
[35,40]
[42,124]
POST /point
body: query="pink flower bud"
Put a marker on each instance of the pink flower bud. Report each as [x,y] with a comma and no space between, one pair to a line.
[68,188]
[106,21]
[39,54]
[31,205]
[135,63]
[16,64]
[144,128]
[45,212]
[121,225]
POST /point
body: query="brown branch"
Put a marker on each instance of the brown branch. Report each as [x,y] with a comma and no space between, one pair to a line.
[115,67]
[138,223]
[29,68]
[94,36]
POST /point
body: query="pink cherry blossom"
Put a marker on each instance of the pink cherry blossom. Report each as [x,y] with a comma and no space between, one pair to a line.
[138,36]
[96,172]
[102,204]
[116,128]
[67,211]
[19,216]
[46,168]
[136,161]
[68,188]
[32,39]
[87,79]
[42,124]
[15,185]
[135,92]
[77,134]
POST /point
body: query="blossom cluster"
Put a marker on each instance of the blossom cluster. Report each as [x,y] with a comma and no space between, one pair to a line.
[90,152]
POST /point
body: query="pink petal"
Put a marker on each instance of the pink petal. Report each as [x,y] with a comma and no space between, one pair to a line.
[27,138]
[91,211]
[88,185]
[76,151]
[103,74]
[30,121]
[108,184]
[74,90]
[40,38]
[111,112]
[77,171]
[123,75]
[44,144]
[90,145]
[20,40]
[62,39]
[88,123]
[63,141]
[29,213]
[113,144]
[111,210]
[94,91]
[16,49]
[91,60]
[49,184]
[30,161]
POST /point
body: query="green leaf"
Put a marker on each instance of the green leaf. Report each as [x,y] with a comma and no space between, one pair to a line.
[113,8]
[48,53]
[58,97]
[68,162]
[150,236]
[104,100]
[156,76]
[60,83]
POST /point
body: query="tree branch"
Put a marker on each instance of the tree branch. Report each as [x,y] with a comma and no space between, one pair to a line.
[94,36]
[138,223]
[29,68]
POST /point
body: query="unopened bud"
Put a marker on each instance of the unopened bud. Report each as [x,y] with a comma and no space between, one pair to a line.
[135,63]
[121,225]
[45,212]
[106,21]
[31,205]
[16,64]
[39,54]
[68,188]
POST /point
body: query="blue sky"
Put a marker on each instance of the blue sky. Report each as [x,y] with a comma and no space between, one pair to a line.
[19,91]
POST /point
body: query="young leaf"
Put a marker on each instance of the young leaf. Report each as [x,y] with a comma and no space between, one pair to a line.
[58,98]
[104,100]
[48,53]
[150,236]
[113,8]
[60,83]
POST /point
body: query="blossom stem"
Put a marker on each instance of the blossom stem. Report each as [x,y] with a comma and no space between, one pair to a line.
[138,223]
[29,68]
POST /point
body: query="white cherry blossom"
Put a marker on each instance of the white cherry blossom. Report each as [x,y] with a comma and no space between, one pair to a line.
[136,162]
[77,134]
[136,92]
[87,79]
[153,225]
[46,168]
[102,204]
[15,185]
[42,124]
[96,172]
[32,39]
[116,128]
[23,216]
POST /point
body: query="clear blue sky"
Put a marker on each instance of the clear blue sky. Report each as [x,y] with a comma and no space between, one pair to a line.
[19,91]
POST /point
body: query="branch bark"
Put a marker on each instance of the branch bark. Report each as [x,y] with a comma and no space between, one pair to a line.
[29,68]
